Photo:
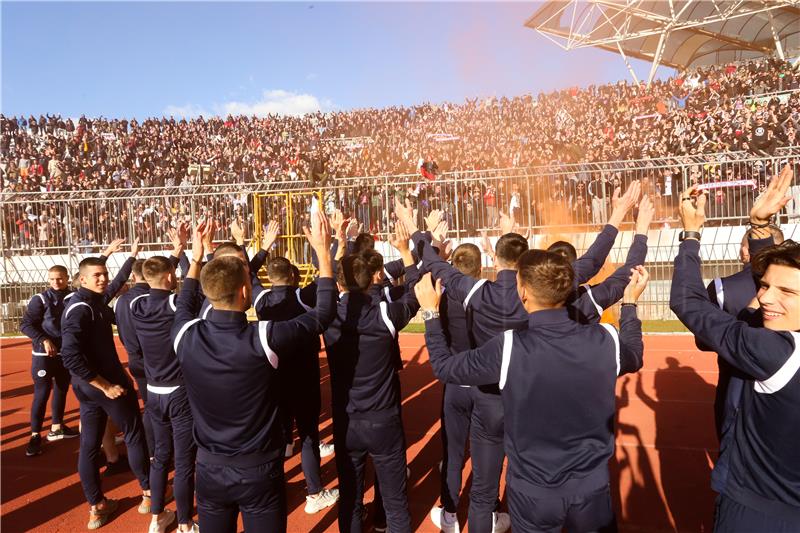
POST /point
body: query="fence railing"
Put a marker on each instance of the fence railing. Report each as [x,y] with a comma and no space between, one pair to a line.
[572,201]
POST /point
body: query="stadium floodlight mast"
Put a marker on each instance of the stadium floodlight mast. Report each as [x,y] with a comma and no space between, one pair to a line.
[673,33]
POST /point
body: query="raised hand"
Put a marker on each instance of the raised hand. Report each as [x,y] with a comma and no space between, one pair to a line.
[692,209]
[639,278]
[237,232]
[773,199]
[405,214]
[646,213]
[319,235]
[400,238]
[506,223]
[433,219]
[352,228]
[440,232]
[271,232]
[427,294]
[115,246]
[135,247]
[624,203]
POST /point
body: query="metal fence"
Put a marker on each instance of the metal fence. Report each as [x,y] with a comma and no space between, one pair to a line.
[553,202]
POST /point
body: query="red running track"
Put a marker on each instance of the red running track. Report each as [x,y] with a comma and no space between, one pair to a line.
[665,448]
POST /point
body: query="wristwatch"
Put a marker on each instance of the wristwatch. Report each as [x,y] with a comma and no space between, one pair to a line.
[429,315]
[682,236]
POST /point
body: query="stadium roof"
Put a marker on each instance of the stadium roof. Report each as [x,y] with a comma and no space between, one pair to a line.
[677,34]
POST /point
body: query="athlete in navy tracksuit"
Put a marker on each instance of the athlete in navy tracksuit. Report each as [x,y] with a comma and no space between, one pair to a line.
[557,381]
[762,489]
[299,377]
[229,370]
[495,307]
[366,390]
[733,294]
[100,383]
[457,400]
[152,317]
[42,323]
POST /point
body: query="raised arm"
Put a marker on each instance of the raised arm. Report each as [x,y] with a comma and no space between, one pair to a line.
[590,263]
[123,275]
[480,366]
[190,299]
[758,352]
[631,347]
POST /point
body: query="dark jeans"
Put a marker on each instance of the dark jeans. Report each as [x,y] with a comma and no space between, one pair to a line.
[141,387]
[300,404]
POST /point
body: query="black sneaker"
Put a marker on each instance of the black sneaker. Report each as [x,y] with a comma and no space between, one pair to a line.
[64,432]
[117,467]
[34,446]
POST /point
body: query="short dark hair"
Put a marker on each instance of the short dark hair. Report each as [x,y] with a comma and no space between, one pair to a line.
[547,274]
[221,278]
[227,248]
[279,269]
[137,268]
[59,268]
[91,262]
[364,241]
[295,275]
[374,260]
[467,259]
[510,247]
[565,249]
[786,254]
[155,267]
[354,273]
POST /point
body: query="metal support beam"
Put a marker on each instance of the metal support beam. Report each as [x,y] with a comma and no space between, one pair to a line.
[662,43]
[627,63]
[775,37]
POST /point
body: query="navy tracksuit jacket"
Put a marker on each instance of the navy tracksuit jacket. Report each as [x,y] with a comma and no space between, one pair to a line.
[557,381]
[764,466]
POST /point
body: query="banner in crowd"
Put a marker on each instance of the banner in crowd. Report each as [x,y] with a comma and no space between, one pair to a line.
[725,184]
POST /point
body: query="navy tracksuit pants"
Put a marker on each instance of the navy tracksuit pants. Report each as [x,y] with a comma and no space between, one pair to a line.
[301,404]
[590,512]
[487,452]
[171,419]
[383,439]
[141,387]
[457,409]
[49,375]
[95,408]
[227,486]
[733,517]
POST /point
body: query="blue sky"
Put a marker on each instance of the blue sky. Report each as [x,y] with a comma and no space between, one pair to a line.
[154,58]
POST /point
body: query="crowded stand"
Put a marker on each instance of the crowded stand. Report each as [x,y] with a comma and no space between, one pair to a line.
[580,143]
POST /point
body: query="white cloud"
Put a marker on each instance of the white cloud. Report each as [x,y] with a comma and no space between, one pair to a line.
[186,111]
[275,101]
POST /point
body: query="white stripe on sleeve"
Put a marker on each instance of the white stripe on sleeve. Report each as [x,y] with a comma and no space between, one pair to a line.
[472,291]
[300,300]
[614,335]
[508,343]
[784,375]
[386,320]
[720,290]
[183,330]
[272,357]
[596,305]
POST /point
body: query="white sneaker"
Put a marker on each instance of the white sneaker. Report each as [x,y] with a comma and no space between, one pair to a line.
[446,522]
[289,450]
[166,518]
[194,529]
[321,500]
[501,522]
[325,450]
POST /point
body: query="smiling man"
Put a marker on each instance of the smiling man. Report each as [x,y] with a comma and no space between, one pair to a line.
[762,492]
